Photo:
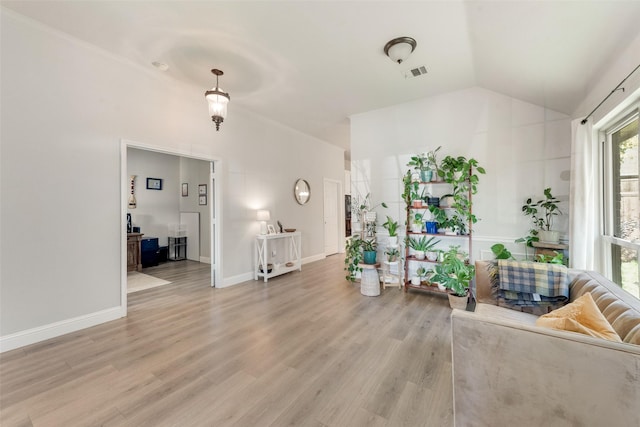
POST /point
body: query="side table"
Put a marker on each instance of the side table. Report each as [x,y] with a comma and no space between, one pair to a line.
[370,281]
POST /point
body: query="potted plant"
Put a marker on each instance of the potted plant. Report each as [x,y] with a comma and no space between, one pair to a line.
[416,224]
[454,274]
[392,227]
[432,162]
[392,254]
[542,212]
[421,272]
[422,245]
[420,164]
[353,257]
[369,251]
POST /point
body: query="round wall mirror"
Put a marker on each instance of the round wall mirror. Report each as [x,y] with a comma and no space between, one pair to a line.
[302,191]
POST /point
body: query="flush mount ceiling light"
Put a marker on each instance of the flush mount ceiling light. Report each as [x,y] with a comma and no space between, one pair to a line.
[399,49]
[218,101]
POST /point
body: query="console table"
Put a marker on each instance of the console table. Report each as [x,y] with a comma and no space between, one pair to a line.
[265,243]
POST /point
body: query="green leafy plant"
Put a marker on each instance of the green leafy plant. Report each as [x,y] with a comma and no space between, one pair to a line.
[432,160]
[422,273]
[454,273]
[417,217]
[353,257]
[419,162]
[501,252]
[542,211]
[558,258]
[440,216]
[391,226]
[422,243]
[462,174]
[369,245]
[392,254]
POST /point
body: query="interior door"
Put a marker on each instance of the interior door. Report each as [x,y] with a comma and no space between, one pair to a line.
[331,217]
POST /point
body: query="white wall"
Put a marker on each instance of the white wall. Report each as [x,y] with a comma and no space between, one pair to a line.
[155,209]
[194,172]
[524,148]
[66,106]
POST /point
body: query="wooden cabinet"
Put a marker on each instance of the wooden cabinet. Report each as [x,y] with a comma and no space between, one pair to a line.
[134,260]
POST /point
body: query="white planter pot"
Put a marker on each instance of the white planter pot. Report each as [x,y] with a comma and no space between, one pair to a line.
[415,281]
[393,241]
[432,256]
[416,228]
[549,236]
[419,255]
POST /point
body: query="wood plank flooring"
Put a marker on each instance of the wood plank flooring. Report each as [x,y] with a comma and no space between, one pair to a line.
[305,349]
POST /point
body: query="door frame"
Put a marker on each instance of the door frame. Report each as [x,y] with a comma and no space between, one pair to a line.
[216,258]
[340,211]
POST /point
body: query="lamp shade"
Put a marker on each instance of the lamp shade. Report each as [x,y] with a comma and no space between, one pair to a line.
[264,215]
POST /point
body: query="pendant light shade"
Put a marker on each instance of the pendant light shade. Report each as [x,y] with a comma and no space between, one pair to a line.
[217,100]
[399,49]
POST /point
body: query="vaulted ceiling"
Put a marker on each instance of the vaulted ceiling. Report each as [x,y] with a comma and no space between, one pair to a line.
[312,64]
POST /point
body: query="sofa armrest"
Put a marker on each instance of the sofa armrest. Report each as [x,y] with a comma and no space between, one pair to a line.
[506,373]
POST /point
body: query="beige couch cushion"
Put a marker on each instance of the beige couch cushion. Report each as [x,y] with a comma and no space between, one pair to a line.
[621,309]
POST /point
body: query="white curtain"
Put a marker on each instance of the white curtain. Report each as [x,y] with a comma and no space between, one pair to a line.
[584,209]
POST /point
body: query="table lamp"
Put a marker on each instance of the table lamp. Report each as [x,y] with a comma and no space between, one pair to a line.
[263,217]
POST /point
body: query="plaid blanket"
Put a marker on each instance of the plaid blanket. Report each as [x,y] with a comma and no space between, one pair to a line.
[531,284]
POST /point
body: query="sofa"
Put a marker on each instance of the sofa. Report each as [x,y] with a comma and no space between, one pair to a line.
[509,372]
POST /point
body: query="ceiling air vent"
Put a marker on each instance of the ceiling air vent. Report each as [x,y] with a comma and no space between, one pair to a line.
[414,72]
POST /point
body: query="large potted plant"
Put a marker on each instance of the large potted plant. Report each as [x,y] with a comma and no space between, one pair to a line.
[542,212]
[455,274]
[369,251]
[422,245]
[392,227]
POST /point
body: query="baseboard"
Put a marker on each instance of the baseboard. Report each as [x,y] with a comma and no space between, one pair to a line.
[235,280]
[52,330]
[313,258]
[205,259]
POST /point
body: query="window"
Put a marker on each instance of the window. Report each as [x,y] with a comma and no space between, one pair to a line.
[622,203]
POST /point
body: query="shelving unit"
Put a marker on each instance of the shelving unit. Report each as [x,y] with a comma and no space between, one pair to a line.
[177,248]
[412,260]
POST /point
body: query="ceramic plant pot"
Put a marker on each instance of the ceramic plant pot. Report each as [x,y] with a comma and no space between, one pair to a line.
[549,236]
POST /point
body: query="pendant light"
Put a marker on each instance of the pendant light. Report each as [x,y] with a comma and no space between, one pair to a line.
[218,101]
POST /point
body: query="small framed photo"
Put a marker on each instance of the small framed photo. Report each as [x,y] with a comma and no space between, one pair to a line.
[185,189]
[271,229]
[202,189]
[202,200]
[154,184]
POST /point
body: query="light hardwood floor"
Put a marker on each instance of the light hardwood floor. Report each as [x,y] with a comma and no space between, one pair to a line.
[305,349]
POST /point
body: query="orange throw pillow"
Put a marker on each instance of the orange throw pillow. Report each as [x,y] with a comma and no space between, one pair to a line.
[582,316]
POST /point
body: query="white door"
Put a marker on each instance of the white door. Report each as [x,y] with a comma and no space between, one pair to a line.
[331,217]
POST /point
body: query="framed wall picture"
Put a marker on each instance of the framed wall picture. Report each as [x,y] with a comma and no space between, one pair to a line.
[271,229]
[185,189]
[202,189]
[202,200]
[154,184]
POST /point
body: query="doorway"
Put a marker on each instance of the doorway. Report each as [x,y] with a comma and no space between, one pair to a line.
[197,199]
[332,213]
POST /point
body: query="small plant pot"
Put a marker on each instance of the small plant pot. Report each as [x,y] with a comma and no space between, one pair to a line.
[416,228]
[417,203]
[433,201]
[458,302]
[393,241]
[369,257]
[432,227]
[426,175]
[419,255]
[415,281]
[415,177]
[432,256]
[549,236]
